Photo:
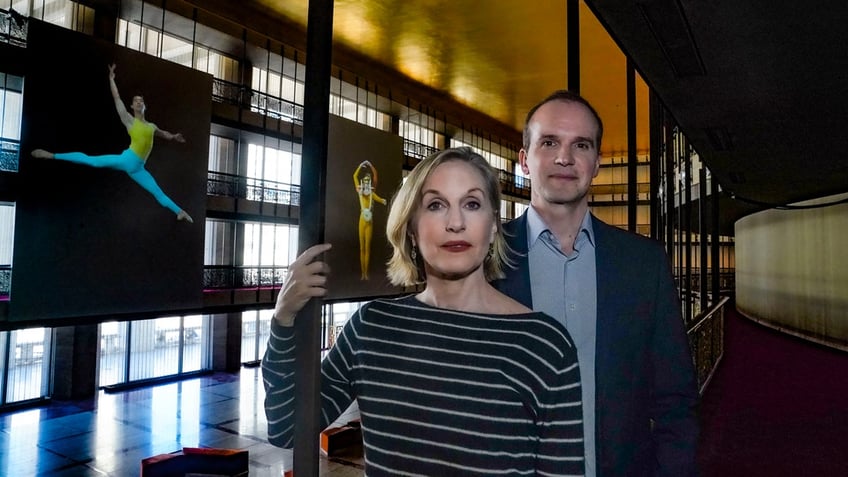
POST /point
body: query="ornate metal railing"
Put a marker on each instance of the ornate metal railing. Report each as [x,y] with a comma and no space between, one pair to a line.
[417,150]
[13,28]
[706,339]
[259,190]
[5,280]
[230,277]
[10,154]
[263,103]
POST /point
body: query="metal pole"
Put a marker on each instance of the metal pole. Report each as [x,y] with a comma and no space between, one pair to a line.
[319,39]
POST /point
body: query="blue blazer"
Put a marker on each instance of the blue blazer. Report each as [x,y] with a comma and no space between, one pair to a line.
[646,393]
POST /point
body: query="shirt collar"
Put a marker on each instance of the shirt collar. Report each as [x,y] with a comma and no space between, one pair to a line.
[537,226]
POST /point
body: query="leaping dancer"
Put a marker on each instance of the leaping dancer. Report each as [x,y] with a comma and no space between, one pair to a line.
[133,159]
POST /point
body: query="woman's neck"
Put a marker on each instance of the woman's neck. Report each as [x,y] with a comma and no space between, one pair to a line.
[471,293]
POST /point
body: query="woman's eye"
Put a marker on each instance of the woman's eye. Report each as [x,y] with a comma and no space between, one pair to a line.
[473,205]
[434,206]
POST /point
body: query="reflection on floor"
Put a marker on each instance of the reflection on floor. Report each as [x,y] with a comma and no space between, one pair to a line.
[110,435]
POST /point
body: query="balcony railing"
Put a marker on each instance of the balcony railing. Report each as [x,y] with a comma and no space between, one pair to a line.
[706,340]
[5,281]
[230,277]
[239,95]
[10,154]
[13,28]
[259,190]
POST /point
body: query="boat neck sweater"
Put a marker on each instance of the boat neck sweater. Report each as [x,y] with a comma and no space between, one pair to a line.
[443,392]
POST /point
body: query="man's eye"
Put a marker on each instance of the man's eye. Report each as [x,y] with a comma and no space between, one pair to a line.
[547,143]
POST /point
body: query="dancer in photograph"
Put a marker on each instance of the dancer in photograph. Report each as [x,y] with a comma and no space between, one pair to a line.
[133,159]
[367,196]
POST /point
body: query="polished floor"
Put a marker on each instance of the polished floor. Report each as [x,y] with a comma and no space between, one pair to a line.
[111,434]
[774,408]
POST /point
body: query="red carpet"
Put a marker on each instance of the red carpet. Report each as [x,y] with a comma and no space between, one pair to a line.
[777,406]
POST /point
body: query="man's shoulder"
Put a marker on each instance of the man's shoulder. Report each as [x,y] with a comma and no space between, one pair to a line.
[605,232]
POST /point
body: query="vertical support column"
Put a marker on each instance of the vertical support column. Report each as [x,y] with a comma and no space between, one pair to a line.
[632,159]
[572,34]
[105,21]
[670,185]
[75,362]
[319,39]
[715,243]
[686,206]
[655,127]
[226,342]
[702,237]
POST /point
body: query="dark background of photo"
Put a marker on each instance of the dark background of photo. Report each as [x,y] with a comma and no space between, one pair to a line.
[91,242]
[350,143]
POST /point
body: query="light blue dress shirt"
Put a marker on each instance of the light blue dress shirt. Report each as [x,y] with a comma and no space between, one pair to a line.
[565,287]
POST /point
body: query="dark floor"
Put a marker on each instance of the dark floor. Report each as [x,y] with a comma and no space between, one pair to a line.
[110,436]
[776,407]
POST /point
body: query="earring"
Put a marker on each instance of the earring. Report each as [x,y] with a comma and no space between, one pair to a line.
[491,253]
[414,254]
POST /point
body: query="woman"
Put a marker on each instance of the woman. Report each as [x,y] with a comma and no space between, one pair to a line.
[456,380]
[367,197]
[134,158]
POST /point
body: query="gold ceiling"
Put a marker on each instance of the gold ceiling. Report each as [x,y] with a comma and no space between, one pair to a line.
[497,56]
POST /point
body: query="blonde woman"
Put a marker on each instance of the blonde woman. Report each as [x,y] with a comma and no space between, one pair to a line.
[456,380]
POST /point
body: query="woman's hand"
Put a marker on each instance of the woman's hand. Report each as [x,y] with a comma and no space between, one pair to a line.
[307,278]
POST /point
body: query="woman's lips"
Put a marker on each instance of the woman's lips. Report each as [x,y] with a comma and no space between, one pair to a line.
[456,246]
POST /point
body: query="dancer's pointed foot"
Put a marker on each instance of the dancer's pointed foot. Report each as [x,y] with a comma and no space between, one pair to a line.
[183,215]
[42,154]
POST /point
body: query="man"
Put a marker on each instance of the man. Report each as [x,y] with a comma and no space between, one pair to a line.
[614,292]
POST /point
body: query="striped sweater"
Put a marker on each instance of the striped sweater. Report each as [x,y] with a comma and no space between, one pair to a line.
[443,392]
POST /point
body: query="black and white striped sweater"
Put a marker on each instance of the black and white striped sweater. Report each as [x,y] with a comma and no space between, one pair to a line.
[443,392]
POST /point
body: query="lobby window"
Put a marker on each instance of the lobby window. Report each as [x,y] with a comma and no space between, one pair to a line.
[25,364]
[181,51]
[148,349]
[357,104]
[11,101]
[63,13]
[280,96]
[7,237]
[255,329]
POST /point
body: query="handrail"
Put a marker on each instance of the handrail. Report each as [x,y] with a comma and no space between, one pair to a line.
[706,340]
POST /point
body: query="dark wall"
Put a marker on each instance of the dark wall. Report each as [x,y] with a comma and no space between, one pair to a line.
[90,242]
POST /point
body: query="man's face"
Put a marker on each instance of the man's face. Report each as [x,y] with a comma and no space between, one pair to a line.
[562,157]
[138,104]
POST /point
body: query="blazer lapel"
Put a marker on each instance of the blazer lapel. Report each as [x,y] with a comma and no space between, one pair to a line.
[517,281]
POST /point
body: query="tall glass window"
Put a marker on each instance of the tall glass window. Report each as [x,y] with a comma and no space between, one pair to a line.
[255,329]
[11,100]
[147,349]
[25,364]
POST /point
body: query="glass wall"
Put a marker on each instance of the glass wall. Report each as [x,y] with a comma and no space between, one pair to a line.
[155,348]
[11,100]
[25,364]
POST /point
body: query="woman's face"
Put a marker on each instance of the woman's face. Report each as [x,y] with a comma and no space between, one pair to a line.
[454,224]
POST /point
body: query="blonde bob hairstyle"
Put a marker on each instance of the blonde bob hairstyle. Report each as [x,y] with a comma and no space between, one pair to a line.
[402,269]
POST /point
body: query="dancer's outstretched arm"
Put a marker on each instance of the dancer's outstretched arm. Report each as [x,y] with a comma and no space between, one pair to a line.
[169,136]
[124,114]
